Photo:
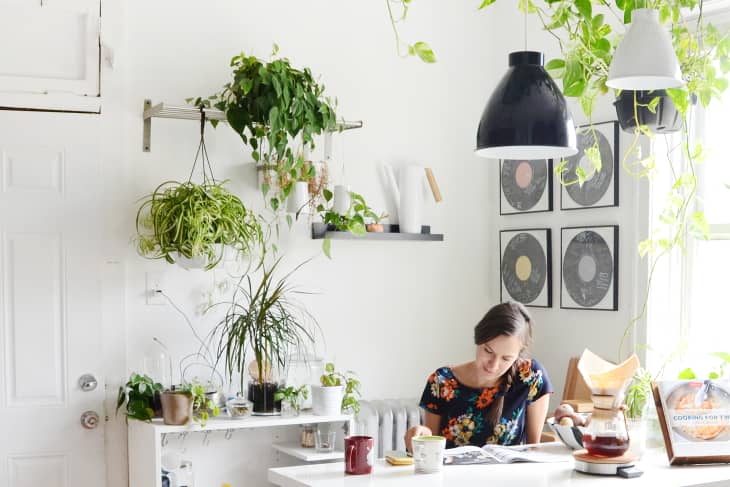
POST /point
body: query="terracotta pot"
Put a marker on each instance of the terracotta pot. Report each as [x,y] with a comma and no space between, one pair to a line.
[177,407]
[374,227]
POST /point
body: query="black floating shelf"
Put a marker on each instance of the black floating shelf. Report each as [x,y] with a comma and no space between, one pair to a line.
[390,232]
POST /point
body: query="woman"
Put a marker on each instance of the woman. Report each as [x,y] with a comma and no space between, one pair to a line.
[499,397]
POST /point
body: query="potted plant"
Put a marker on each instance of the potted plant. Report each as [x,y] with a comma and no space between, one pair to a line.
[652,109]
[638,398]
[187,402]
[141,394]
[265,319]
[336,393]
[270,104]
[291,399]
[177,406]
[355,220]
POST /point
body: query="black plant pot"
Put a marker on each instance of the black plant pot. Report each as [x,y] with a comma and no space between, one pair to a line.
[665,120]
[262,397]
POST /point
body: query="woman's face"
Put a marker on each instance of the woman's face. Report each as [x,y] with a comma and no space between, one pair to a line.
[497,355]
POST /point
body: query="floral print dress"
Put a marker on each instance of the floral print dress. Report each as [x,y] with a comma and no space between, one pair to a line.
[464,410]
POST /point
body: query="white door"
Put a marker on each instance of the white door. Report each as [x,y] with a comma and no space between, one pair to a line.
[50,309]
[50,53]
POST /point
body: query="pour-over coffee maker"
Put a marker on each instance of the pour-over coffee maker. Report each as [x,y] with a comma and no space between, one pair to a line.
[606,439]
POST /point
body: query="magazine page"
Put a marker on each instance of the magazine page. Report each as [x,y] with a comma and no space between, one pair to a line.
[697,414]
[468,455]
[490,454]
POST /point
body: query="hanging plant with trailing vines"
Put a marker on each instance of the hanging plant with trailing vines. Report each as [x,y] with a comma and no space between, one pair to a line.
[196,220]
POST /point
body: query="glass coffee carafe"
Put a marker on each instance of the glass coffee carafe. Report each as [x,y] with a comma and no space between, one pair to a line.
[607,435]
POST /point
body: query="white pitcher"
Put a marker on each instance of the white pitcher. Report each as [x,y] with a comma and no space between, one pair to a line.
[409,193]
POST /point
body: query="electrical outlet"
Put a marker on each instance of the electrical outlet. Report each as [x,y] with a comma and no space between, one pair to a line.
[153,284]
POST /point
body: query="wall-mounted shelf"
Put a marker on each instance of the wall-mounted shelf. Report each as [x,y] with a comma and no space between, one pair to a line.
[163,110]
[391,232]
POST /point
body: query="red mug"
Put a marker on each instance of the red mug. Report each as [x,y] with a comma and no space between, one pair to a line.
[358,455]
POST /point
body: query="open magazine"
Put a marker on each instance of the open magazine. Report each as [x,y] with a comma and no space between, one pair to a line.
[470,455]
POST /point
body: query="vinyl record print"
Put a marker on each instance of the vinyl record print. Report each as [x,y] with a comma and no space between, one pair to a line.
[525,186]
[601,187]
[589,268]
[525,266]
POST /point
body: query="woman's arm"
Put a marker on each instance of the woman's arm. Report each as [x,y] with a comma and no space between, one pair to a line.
[536,414]
[431,423]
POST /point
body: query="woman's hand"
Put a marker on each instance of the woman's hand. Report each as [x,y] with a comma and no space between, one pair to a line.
[416,431]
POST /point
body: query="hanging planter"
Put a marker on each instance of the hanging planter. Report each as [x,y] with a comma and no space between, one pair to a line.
[665,118]
[192,224]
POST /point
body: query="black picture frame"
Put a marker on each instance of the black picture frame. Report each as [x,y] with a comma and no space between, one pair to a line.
[535,289]
[602,190]
[599,292]
[512,197]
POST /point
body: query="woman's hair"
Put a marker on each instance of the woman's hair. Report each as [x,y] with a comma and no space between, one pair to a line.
[505,319]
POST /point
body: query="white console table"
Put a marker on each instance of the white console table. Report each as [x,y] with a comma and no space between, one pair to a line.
[145,440]
[657,472]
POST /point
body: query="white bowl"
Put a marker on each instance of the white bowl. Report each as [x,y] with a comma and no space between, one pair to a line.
[571,436]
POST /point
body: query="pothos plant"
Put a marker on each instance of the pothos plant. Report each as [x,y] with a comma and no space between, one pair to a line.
[333,378]
[587,42]
[271,104]
[354,220]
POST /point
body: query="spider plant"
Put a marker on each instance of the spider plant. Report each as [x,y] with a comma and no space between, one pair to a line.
[265,318]
[194,220]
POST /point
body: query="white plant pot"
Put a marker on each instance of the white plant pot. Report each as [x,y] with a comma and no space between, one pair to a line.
[299,197]
[327,401]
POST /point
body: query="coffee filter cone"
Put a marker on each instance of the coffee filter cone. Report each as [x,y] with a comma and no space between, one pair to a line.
[606,378]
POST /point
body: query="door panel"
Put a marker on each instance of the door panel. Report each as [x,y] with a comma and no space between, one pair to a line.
[55,47]
[50,299]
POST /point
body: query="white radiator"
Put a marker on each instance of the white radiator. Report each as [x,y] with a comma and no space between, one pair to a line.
[387,421]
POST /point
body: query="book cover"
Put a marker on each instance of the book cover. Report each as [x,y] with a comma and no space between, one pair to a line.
[697,416]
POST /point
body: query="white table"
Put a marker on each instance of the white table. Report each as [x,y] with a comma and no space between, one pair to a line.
[657,473]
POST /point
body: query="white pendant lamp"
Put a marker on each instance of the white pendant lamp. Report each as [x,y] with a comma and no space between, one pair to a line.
[645,59]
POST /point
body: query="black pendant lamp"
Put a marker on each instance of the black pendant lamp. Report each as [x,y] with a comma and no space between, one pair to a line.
[526,117]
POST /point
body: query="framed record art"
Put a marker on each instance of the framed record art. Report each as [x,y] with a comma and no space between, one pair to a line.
[601,188]
[525,186]
[589,268]
[526,266]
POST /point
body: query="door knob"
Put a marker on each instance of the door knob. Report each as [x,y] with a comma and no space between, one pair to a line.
[90,420]
[87,382]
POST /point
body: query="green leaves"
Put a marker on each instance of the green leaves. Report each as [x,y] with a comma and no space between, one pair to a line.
[196,220]
[332,378]
[687,374]
[263,317]
[423,51]
[139,395]
[585,9]
[270,103]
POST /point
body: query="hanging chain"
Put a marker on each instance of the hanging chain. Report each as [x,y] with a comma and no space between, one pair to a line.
[202,153]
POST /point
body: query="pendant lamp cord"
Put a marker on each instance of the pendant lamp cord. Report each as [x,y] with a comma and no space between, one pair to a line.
[525,27]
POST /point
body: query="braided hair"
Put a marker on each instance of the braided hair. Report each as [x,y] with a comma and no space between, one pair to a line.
[505,319]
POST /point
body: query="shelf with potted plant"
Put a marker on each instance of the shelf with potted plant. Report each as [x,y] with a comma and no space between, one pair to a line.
[360,222]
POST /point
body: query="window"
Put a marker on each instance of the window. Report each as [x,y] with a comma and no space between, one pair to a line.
[690,298]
